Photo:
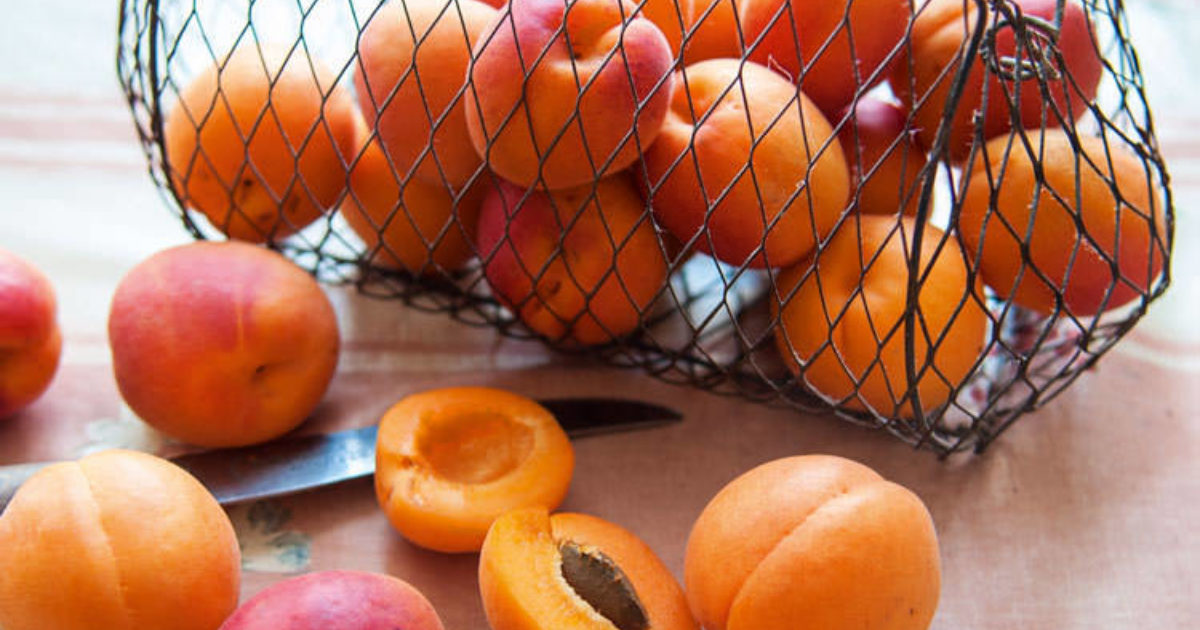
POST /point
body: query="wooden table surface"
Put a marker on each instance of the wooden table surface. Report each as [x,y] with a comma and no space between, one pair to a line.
[1082,516]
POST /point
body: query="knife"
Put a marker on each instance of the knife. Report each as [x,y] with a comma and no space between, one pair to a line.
[292,464]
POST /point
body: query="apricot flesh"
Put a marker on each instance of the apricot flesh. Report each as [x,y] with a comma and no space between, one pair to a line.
[449,461]
[574,571]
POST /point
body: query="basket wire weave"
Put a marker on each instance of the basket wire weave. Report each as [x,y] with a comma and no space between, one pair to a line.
[710,325]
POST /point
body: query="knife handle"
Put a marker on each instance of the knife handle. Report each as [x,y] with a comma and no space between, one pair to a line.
[11,478]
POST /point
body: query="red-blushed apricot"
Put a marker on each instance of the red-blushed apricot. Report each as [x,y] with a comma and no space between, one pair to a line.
[941,32]
[813,541]
[579,266]
[841,326]
[414,59]
[561,98]
[575,572]
[30,339]
[407,223]
[1086,214]
[885,161]
[337,600]
[832,49]
[118,540]
[745,167]
[258,142]
[449,461]
[222,343]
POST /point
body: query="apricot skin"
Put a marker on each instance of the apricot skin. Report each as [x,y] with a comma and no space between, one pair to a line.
[814,542]
[337,600]
[259,149]
[30,338]
[118,540]
[222,343]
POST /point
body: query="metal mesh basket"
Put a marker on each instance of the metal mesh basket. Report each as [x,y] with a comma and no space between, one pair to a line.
[693,218]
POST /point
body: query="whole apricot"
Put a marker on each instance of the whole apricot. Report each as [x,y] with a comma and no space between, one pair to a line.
[405,222]
[411,83]
[1077,219]
[449,461]
[816,542]
[841,318]
[575,572]
[337,600]
[30,338]
[941,33]
[832,49]
[580,266]
[118,540]
[222,343]
[259,142]
[566,93]
[746,168]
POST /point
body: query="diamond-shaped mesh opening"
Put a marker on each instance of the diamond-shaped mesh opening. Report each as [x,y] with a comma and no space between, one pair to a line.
[834,206]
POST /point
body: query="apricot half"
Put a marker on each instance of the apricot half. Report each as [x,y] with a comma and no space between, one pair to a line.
[574,571]
[449,461]
[816,542]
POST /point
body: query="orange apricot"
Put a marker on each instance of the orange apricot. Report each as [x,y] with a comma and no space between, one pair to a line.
[118,540]
[414,58]
[575,572]
[841,325]
[259,142]
[579,266]
[408,223]
[941,32]
[745,168]
[813,542]
[449,461]
[1077,220]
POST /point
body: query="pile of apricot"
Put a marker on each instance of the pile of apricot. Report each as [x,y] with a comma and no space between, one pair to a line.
[580,152]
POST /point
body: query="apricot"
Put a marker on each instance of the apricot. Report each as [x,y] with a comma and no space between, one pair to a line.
[885,161]
[941,33]
[407,223]
[813,541]
[696,29]
[831,49]
[413,73]
[258,142]
[1072,219]
[578,266]
[574,571]
[841,327]
[561,98]
[221,344]
[449,461]
[745,168]
[337,600]
[30,338]
[118,540]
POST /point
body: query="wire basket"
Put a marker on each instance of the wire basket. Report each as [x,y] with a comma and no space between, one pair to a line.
[927,218]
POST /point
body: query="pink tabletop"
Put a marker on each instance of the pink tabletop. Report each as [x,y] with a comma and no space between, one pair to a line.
[1081,516]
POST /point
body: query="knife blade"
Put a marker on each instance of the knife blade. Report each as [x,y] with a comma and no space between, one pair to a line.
[296,463]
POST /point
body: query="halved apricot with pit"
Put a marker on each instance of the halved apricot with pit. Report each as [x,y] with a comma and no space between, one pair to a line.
[574,571]
[449,461]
